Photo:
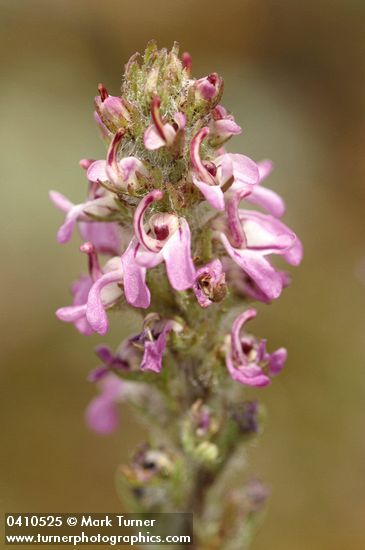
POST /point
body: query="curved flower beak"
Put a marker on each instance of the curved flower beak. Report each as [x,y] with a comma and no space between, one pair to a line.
[158,134]
[149,243]
[98,300]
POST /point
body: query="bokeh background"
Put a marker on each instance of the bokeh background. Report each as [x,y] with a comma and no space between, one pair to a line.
[294,75]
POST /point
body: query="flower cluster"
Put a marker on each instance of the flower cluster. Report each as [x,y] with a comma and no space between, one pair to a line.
[165,155]
[184,231]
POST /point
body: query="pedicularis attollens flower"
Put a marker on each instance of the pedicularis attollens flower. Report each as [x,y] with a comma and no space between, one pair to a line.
[168,227]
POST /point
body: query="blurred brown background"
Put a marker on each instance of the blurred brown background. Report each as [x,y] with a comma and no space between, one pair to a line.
[294,75]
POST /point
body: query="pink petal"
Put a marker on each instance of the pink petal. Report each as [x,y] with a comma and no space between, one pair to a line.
[212,193]
[102,415]
[226,127]
[294,254]
[60,201]
[245,170]
[135,289]
[95,312]
[177,255]
[236,330]
[265,168]
[258,268]
[152,139]
[153,351]
[267,199]
[266,232]
[106,237]
[97,171]
[180,120]
[70,314]
[64,233]
[277,361]
[265,238]
[250,376]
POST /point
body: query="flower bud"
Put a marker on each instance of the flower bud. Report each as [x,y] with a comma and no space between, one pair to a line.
[112,110]
[209,90]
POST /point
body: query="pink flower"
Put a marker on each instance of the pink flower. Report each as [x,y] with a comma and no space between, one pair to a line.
[105,236]
[168,240]
[244,285]
[226,171]
[209,88]
[112,362]
[111,110]
[256,236]
[161,134]
[210,284]
[223,125]
[247,360]
[124,173]
[154,339]
[109,236]
[144,351]
[94,294]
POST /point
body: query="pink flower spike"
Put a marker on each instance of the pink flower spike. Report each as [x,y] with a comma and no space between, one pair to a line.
[177,255]
[149,243]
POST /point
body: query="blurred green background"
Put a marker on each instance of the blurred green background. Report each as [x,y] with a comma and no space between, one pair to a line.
[294,76]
